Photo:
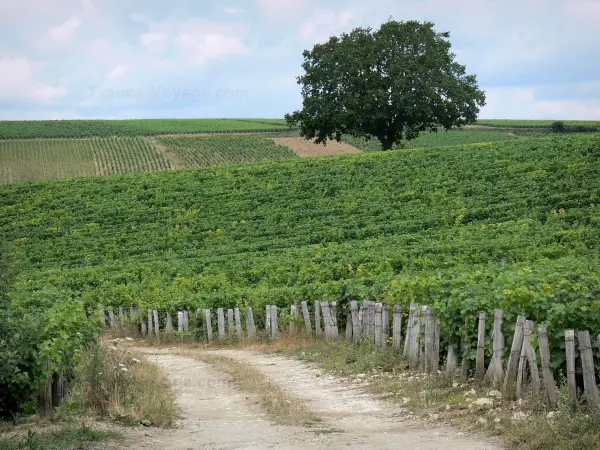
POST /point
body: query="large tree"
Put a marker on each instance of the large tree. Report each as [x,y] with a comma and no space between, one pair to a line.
[388,84]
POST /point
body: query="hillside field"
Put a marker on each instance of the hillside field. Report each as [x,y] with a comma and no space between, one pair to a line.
[513,225]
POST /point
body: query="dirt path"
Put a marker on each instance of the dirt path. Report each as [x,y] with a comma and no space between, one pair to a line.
[308,149]
[372,423]
[216,415]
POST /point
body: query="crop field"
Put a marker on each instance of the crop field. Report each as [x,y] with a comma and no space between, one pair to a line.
[28,160]
[511,225]
[507,123]
[441,138]
[204,151]
[19,129]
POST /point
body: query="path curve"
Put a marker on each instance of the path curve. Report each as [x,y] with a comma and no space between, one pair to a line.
[217,415]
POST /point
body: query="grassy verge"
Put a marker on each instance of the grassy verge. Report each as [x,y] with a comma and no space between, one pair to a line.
[464,405]
[121,384]
[280,406]
[61,438]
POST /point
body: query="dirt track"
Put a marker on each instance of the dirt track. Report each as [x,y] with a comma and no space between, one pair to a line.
[216,415]
[307,149]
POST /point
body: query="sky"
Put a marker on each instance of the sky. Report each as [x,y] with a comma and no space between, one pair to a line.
[118,59]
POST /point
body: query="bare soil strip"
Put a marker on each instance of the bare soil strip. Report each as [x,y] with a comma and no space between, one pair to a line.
[307,149]
[177,162]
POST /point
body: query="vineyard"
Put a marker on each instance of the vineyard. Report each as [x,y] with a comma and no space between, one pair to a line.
[141,127]
[222,150]
[441,138]
[27,160]
[511,225]
[516,123]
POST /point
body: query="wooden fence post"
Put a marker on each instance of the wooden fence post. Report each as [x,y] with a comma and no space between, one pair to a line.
[121,317]
[528,355]
[274,325]
[186,320]
[143,327]
[356,330]
[238,322]
[397,326]
[318,330]
[250,327]
[179,321]
[385,329]
[550,387]
[306,316]
[208,320]
[221,323]
[169,325]
[361,318]
[378,323]
[268,320]
[349,327]
[409,334]
[498,347]
[371,322]
[45,395]
[111,318]
[429,336]
[436,345]
[230,322]
[513,361]
[480,358]
[334,320]
[150,327]
[570,357]
[589,372]
[326,320]
[59,389]
[451,361]
[414,345]
[102,316]
[156,323]
[293,315]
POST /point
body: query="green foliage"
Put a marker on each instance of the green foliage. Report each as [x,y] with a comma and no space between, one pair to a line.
[513,224]
[27,160]
[558,127]
[589,125]
[64,438]
[222,150]
[24,129]
[389,84]
[435,139]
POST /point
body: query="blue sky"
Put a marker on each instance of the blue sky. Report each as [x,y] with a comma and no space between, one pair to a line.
[239,58]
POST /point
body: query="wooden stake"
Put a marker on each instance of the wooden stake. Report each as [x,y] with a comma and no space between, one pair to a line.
[498,348]
[169,325]
[306,315]
[179,321]
[45,395]
[510,377]
[150,327]
[156,323]
[186,321]
[356,329]
[274,325]
[570,357]
[480,358]
[429,335]
[221,323]
[589,372]
[102,316]
[550,387]
[451,362]
[208,321]
[385,329]
[238,322]
[334,320]
[230,326]
[397,326]
[250,326]
[111,318]
[349,327]
[378,325]
[409,338]
[293,315]
[414,345]
[318,330]
[268,320]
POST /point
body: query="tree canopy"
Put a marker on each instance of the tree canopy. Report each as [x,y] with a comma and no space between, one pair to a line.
[389,84]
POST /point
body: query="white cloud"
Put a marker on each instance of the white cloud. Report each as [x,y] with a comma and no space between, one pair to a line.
[200,40]
[118,72]
[19,82]
[64,32]
[155,41]
[283,9]
[522,103]
[234,10]
[324,24]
